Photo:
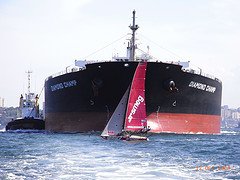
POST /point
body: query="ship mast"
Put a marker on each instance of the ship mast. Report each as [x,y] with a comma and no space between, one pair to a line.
[133,27]
[29,81]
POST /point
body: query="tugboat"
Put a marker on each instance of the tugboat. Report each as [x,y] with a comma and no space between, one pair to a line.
[30,118]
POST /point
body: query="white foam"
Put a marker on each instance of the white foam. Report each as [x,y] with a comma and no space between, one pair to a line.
[231,132]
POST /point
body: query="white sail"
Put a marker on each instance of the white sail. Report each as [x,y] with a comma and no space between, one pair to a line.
[115,124]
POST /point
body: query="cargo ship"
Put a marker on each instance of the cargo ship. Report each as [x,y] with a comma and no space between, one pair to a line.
[178,98]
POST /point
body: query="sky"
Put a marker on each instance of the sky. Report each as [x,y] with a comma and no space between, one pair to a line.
[46,36]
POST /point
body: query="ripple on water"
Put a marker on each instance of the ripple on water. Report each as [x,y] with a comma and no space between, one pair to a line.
[84,156]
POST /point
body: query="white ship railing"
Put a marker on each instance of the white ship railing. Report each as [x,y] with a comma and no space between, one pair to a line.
[199,72]
[70,69]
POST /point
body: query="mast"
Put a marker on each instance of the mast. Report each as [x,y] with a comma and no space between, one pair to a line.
[133,27]
[115,124]
[29,80]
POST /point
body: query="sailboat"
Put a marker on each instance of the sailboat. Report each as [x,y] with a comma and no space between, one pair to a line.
[128,121]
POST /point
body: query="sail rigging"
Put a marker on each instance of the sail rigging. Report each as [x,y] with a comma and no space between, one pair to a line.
[115,124]
[130,114]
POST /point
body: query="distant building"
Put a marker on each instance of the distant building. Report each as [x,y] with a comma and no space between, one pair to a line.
[1,102]
[230,117]
[226,113]
[236,115]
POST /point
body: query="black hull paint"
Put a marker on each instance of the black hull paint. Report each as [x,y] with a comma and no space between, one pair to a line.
[26,124]
[84,100]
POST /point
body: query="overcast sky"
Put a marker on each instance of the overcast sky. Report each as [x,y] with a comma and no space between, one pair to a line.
[46,36]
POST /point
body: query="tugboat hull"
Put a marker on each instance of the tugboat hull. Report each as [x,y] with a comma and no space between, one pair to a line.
[26,124]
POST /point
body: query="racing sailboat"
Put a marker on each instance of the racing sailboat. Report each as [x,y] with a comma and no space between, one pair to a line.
[128,121]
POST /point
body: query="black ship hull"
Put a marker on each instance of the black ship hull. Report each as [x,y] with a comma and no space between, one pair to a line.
[26,124]
[177,101]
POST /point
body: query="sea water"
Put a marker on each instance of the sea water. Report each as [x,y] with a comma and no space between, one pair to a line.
[43,155]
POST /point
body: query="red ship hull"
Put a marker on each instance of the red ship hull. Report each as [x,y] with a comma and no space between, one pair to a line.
[184,123]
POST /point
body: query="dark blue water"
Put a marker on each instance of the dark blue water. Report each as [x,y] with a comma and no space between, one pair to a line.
[87,156]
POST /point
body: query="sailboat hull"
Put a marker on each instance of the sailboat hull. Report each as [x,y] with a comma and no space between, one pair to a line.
[134,138]
[85,100]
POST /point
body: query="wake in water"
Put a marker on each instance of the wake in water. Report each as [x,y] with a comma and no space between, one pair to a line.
[87,156]
[230,131]
[22,131]
[25,131]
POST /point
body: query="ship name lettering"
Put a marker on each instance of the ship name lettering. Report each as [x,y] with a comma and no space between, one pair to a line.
[211,89]
[57,87]
[70,83]
[202,86]
[197,85]
[135,107]
[63,85]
